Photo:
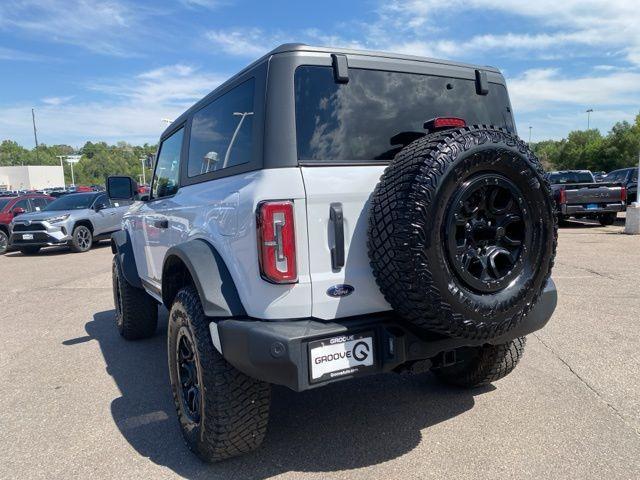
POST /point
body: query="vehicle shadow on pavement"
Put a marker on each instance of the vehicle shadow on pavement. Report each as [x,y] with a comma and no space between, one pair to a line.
[341,426]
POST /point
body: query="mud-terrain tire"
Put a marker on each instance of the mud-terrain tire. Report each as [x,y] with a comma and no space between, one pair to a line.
[81,239]
[480,366]
[227,413]
[607,219]
[462,232]
[29,250]
[136,311]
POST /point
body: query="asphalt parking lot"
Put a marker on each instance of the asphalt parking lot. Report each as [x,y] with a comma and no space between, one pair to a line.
[77,401]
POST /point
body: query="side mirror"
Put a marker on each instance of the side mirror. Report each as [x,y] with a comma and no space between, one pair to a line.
[100,206]
[18,211]
[121,188]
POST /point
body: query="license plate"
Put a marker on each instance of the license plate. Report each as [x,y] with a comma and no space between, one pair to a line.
[345,355]
[27,236]
[592,206]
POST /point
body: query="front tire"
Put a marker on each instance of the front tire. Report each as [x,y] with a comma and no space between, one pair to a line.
[480,366]
[222,412]
[136,310]
[82,239]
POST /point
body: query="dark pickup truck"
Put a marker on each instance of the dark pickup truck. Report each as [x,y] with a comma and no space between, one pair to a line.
[578,195]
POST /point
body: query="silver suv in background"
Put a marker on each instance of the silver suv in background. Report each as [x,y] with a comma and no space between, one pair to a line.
[76,220]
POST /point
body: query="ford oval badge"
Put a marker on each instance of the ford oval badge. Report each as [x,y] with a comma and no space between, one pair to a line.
[340,290]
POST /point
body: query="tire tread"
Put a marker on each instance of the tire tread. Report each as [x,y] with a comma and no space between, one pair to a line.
[236,406]
[139,309]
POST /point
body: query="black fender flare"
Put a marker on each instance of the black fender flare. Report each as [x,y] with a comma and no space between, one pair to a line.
[123,250]
[210,276]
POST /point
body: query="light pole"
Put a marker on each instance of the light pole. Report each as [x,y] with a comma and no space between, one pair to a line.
[62,157]
[73,179]
[35,132]
[144,178]
[71,159]
[588,112]
[235,134]
[530,127]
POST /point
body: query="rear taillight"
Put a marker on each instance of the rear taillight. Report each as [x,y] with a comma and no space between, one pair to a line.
[623,194]
[562,196]
[277,242]
[440,123]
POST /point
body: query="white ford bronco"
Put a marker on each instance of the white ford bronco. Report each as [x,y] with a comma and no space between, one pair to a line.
[327,214]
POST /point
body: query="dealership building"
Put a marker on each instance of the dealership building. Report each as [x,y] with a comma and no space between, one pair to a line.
[31,177]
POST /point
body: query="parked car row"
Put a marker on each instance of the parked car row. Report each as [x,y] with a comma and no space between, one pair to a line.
[627,177]
[30,222]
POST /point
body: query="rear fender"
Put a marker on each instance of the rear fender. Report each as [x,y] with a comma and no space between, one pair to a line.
[210,277]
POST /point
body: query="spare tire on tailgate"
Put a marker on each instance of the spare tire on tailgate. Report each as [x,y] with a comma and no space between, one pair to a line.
[462,232]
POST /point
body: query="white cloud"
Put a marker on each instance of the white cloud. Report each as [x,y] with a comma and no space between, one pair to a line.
[555,103]
[542,88]
[56,100]
[210,4]
[254,42]
[131,110]
[98,26]
[599,26]
[178,85]
[245,42]
[329,39]
[12,54]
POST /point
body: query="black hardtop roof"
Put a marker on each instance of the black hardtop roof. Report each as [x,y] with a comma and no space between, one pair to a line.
[302,47]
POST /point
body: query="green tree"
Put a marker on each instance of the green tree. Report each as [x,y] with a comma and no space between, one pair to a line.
[588,149]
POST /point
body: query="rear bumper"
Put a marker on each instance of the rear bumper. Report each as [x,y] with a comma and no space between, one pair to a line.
[278,351]
[583,210]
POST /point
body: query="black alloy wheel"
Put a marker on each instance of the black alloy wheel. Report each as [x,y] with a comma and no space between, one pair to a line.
[188,376]
[487,230]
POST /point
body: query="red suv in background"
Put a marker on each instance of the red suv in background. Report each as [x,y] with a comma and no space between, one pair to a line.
[10,207]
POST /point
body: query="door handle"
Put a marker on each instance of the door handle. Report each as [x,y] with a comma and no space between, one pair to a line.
[161,223]
[337,251]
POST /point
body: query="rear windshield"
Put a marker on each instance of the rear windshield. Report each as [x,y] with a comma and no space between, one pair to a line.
[357,120]
[74,201]
[3,203]
[570,177]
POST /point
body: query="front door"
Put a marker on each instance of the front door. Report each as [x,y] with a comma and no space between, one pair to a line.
[153,217]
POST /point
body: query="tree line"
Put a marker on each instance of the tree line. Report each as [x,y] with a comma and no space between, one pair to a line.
[582,149]
[590,150]
[97,162]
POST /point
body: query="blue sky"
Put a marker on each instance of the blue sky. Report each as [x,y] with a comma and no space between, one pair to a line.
[112,70]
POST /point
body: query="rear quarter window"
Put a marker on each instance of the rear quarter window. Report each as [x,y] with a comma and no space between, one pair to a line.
[222,132]
[356,121]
